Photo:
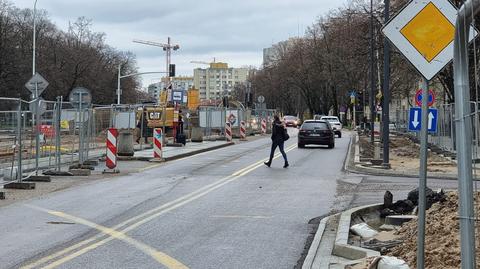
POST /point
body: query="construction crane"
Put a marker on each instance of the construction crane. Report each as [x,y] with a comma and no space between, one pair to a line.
[202,62]
[167,47]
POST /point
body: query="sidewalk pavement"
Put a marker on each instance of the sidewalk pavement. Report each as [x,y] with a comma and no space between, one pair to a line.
[176,152]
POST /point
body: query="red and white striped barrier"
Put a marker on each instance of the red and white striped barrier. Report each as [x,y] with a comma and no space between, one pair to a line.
[264,127]
[157,143]
[243,131]
[111,160]
[228,131]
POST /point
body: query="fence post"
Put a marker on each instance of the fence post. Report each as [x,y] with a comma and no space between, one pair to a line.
[19,141]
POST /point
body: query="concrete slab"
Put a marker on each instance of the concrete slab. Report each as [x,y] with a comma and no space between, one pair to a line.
[81,172]
[20,185]
[39,179]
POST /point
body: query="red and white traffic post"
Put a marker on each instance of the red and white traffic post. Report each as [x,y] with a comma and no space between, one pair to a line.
[111,160]
[228,131]
[157,144]
[264,126]
[243,131]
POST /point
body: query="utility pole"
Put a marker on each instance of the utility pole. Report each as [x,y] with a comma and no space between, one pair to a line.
[372,78]
[386,92]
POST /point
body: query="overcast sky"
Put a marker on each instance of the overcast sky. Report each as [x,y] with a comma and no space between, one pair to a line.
[232,31]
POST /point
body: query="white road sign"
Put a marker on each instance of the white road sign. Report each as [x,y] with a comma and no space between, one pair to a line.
[424,31]
[37,83]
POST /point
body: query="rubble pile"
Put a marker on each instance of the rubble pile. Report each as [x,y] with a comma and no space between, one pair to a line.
[406,206]
[442,238]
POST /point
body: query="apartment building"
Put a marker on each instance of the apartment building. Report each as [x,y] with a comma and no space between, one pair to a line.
[218,79]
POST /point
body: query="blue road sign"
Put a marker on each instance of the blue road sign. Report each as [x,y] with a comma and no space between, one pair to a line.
[415,116]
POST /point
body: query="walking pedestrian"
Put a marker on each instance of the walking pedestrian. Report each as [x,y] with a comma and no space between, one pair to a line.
[142,126]
[278,140]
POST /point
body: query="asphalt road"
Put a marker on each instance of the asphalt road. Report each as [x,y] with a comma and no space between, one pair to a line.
[220,209]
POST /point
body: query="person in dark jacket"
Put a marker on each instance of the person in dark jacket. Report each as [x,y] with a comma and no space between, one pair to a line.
[142,125]
[278,140]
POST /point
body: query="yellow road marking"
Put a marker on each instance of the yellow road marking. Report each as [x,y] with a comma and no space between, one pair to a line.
[145,217]
[149,167]
[160,257]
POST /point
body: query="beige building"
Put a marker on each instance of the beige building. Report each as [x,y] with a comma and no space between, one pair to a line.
[218,79]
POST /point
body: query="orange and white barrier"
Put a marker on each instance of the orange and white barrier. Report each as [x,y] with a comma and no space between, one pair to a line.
[111,160]
[228,131]
[157,143]
[243,131]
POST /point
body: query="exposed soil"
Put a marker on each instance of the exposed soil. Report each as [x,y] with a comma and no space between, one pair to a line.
[442,238]
[405,155]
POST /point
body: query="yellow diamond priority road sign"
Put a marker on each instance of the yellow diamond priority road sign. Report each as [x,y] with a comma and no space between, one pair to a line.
[423,31]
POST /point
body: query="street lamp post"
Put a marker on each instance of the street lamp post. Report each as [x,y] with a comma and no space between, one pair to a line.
[34,36]
[37,97]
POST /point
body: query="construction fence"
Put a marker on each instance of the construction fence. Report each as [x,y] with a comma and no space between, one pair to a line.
[444,137]
[70,136]
[212,120]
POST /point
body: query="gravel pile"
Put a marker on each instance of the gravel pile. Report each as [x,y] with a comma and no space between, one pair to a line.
[442,241]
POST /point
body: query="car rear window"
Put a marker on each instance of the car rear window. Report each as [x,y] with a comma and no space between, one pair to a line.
[315,125]
[330,118]
[290,118]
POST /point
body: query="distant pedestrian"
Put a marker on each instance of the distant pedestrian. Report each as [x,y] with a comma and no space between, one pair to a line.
[180,122]
[142,126]
[278,140]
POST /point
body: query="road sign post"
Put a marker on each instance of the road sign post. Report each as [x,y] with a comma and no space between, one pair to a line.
[424,31]
[36,85]
[422,200]
[81,99]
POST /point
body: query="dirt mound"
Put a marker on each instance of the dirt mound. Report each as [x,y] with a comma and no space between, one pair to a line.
[442,240]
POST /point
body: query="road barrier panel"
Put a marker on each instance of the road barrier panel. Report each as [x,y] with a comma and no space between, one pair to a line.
[264,126]
[157,144]
[111,160]
[243,131]
[228,131]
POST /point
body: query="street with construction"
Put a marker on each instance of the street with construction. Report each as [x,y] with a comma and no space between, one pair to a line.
[320,135]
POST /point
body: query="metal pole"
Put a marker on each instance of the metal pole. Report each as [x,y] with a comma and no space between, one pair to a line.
[80,136]
[34,36]
[19,139]
[386,92]
[423,178]
[59,143]
[463,129]
[372,77]
[37,129]
[118,84]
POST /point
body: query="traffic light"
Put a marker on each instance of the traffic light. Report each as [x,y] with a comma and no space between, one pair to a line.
[225,101]
[171,70]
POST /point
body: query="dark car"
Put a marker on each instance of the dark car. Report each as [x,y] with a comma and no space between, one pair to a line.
[291,121]
[316,132]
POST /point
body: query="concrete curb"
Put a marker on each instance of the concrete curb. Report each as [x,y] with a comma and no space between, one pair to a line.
[312,251]
[341,247]
[187,154]
[353,165]
[179,156]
